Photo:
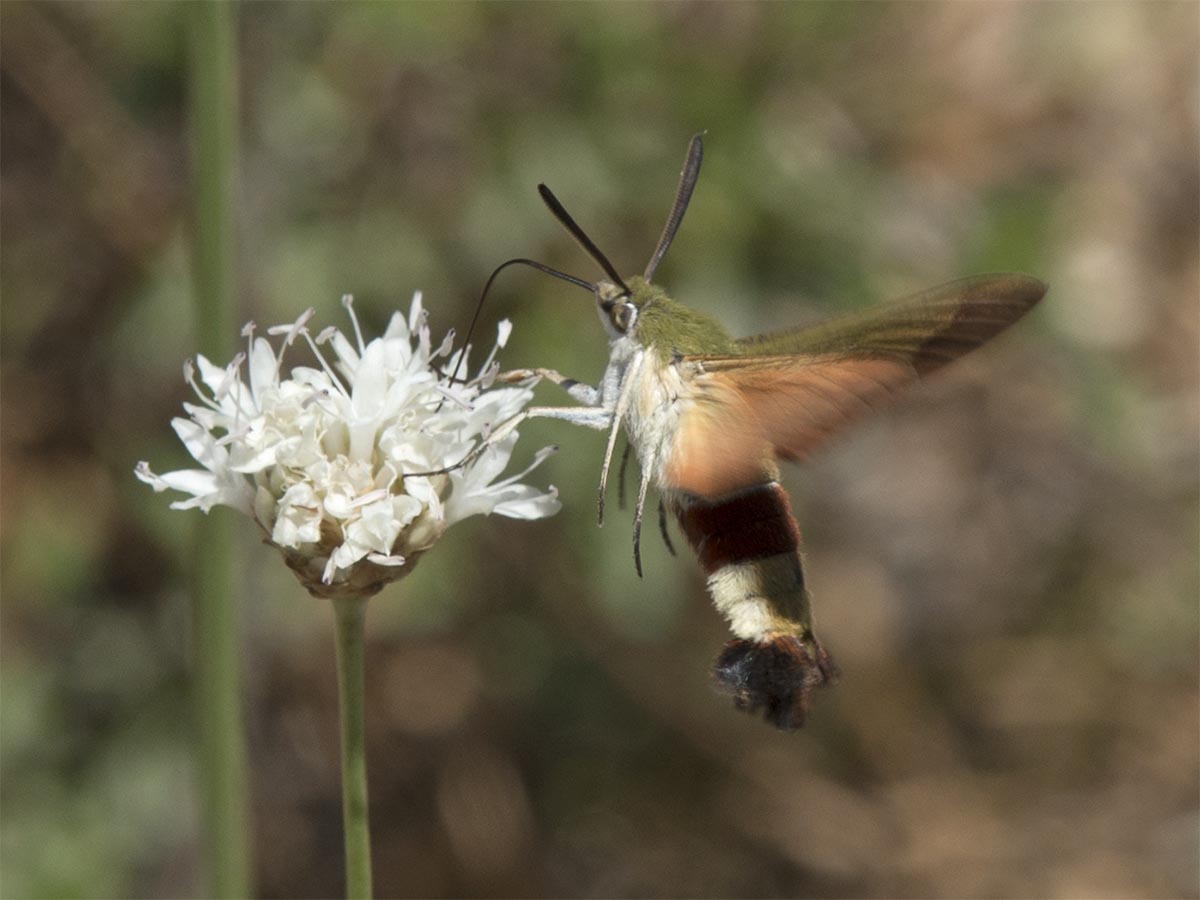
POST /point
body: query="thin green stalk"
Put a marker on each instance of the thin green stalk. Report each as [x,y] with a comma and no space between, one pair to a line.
[217,677]
[350,615]
[217,696]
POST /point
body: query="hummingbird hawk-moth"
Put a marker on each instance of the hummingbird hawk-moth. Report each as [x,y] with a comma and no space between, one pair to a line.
[710,416]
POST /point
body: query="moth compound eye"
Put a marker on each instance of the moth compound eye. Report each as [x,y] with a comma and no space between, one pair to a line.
[623,316]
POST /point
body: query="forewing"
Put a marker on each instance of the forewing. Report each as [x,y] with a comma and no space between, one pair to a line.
[788,393]
[926,330]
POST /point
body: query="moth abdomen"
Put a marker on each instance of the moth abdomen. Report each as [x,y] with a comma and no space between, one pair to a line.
[749,545]
[776,676]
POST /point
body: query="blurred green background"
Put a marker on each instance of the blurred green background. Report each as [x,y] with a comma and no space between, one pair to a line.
[1005,566]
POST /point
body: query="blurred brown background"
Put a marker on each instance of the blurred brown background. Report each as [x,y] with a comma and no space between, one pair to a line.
[1005,566]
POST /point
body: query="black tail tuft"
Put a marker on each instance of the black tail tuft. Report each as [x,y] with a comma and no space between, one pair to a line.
[776,676]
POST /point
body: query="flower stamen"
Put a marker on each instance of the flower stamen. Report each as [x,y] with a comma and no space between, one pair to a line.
[348,303]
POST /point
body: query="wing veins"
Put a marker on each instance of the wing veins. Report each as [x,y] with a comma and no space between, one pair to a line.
[855,394]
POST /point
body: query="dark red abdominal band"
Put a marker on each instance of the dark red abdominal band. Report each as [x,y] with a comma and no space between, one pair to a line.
[777,674]
[749,524]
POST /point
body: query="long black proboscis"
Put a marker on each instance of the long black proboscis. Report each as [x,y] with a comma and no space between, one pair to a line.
[533,264]
[683,195]
[585,242]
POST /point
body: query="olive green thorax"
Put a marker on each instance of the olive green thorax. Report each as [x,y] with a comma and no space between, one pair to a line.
[671,328]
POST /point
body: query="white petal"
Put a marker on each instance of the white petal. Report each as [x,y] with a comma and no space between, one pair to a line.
[330,568]
[343,558]
[494,406]
[206,418]
[208,489]
[376,529]
[370,381]
[538,458]
[447,344]
[346,354]
[534,505]
[264,508]
[213,376]
[491,462]
[423,492]
[296,526]
[416,314]
[249,459]
[191,481]
[143,473]
[234,495]
[264,370]
[339,505]
[201,444]
[397,329]
[405,508]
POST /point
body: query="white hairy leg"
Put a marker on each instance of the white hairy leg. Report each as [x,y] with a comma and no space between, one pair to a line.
[584,393]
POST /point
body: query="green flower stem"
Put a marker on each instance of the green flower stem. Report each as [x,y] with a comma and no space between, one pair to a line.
[217,676]
[350,614]
[217,697]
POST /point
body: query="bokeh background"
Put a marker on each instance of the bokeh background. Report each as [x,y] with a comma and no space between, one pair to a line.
[1005,566]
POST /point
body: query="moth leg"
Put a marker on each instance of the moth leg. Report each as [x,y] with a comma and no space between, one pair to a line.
[623,400]
[588,416]
[662,527]
[637,515]
[621,475]
[584,393]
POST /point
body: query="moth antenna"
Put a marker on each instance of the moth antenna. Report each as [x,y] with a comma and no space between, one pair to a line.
[637,515]
[683,195]
[662,527]
[621,476]
[564,219]
[487,286]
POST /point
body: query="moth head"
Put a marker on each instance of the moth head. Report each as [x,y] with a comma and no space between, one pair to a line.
[616,307]
[617,299]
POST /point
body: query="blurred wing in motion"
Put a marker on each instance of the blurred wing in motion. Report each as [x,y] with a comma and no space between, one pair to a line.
[784,395]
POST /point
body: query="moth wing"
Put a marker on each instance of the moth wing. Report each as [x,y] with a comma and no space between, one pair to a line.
[927,329]
[786,394]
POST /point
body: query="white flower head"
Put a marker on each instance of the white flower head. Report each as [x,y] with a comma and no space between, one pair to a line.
[354,468]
